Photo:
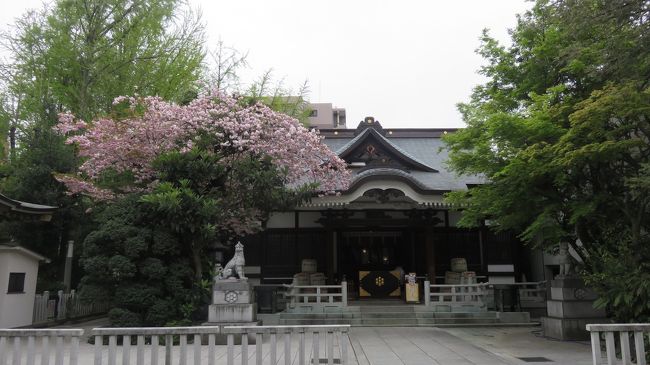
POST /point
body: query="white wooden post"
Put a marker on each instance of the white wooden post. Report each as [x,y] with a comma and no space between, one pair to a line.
[344,293]
[427,293]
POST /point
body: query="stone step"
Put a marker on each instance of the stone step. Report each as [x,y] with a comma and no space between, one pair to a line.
[466,320]
[397,322]
[386,308]
[465,314]
[357,315]
[429,314]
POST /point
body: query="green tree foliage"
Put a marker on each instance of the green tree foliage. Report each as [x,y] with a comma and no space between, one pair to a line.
[561,131]
[138,267]
[77,56]
[203,199]
[81,54]
[149,253]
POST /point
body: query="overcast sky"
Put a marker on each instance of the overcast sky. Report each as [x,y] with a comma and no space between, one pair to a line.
[407,63]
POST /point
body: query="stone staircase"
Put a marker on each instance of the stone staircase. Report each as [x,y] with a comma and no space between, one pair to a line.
[403,316]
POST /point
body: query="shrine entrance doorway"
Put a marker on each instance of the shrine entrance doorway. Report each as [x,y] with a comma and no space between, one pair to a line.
[375,261]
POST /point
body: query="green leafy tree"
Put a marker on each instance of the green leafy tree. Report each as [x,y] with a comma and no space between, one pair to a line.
[560,132]
[77,56]
[207,200]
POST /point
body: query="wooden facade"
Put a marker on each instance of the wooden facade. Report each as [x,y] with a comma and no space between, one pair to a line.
[392,216]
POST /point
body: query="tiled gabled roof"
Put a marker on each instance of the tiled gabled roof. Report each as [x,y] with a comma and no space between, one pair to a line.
[426,152]
[370,133]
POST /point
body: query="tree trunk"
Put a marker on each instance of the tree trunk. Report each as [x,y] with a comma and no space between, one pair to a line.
[12,143]
[198,263]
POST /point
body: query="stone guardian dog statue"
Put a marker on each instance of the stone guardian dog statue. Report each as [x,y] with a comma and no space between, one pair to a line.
[235,267]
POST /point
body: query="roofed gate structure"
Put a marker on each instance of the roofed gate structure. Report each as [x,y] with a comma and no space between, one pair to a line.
[391,219]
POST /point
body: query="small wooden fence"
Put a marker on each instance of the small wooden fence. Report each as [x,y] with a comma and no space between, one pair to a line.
[335,343]
[626,333]
[63,342]
[461,296]
[64,306]
[316,297]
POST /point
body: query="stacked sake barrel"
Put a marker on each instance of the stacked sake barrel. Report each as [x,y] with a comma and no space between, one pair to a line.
[308,275]
[459,273]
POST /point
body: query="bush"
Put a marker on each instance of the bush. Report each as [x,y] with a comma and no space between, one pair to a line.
[120,317]
[137,267]
[621,277]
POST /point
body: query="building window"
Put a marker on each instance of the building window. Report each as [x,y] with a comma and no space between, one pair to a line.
[313,113]
[16,282]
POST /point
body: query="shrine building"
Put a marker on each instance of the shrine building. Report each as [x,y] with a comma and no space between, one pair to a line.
[392,217]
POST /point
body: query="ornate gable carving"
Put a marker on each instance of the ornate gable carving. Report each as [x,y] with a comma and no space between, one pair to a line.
[371,149]
[374,155]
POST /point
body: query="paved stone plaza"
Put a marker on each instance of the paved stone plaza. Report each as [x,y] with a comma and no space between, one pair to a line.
[456,346]
[430,345]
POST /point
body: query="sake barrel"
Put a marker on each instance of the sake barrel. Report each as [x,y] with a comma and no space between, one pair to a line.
[301,279]
[452,277]
[468,277]
[318,279]
[468,274]
[458,264]
[309,265]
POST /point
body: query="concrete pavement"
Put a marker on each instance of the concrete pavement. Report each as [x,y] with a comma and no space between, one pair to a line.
[429,345]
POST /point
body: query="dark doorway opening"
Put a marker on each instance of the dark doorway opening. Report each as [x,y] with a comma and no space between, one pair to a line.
[378,252]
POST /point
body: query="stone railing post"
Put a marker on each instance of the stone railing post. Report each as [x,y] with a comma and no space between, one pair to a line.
[344,293]
[60,306]
[427,292]
[46,306]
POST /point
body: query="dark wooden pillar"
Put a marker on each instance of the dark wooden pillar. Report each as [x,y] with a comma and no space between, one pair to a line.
[329,253]
[481,243]
[264,239]
[430,252]
[414,264]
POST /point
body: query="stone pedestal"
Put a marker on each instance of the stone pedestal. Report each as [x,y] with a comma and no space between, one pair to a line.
[570,309]
[232,305]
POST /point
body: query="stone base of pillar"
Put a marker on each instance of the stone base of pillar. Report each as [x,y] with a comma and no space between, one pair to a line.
[570,309]
[232,306]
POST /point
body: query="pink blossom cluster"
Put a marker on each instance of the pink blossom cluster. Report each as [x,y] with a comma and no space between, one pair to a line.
[132,143]
[79,186]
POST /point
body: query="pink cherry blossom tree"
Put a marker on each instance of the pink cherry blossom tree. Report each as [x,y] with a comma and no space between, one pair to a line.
[208,170]
[151,126]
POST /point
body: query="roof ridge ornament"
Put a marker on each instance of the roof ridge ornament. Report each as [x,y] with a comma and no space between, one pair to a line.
[369,122]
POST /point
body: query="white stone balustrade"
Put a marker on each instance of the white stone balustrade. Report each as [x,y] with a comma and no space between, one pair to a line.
[532,292]
[468,296]
[627,334]
[334,339]
[316,297]
[178,345]
[19,344]
[151,338]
